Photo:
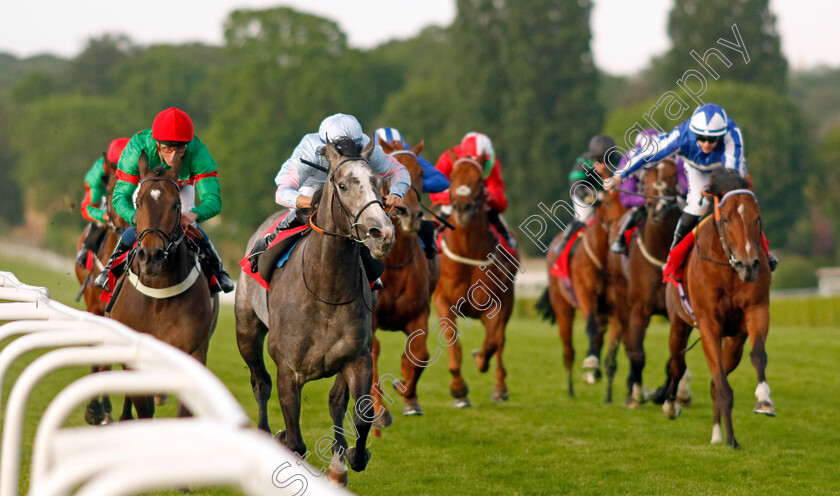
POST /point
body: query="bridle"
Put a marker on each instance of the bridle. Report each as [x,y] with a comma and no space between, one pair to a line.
[355,218]
[719,221]
[174,237]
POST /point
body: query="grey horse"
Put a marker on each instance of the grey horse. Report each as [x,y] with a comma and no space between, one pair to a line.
[317,312]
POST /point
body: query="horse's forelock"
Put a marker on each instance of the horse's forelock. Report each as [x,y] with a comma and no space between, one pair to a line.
[347,147]
[725,180]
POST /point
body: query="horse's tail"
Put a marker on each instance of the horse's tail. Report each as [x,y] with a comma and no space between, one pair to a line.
[545,309]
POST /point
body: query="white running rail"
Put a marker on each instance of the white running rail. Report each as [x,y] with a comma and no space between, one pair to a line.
[215,447]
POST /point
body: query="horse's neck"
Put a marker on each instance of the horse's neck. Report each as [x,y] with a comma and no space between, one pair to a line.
[707,240]
[658,236]
[337,255]
[472,240]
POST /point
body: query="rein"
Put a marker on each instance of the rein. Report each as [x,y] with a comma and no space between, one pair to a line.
[657,197]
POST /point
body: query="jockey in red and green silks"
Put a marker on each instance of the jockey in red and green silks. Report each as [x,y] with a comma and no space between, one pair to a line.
[96,189]
[172,134]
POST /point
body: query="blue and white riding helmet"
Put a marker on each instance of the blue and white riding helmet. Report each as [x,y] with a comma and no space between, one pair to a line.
[339,125]
[708,120]
[387,134]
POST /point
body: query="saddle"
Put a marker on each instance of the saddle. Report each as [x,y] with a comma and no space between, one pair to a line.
[674,269]
[260,264]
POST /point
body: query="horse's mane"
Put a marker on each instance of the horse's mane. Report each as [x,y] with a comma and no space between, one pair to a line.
[347,147]
[303,214]
[725,180]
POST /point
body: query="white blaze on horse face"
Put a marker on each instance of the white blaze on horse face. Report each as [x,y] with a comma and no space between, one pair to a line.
[463,190]
[155,194]
[741,210]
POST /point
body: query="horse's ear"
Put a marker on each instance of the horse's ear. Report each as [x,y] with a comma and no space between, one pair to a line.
[143,164]
[177,161]
[367,151]
[748,177]
[332,153]
[418,147]
[387,148]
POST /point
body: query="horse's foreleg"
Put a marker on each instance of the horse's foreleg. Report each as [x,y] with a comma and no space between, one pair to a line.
[757,323]
[250,336]
[565,319]
[710,333]
[385,419]
[677,341]
[634,346]
[339,397]
[610,360]
[414,359]
[359,376]
[288,392]
[126,412]
[457,387]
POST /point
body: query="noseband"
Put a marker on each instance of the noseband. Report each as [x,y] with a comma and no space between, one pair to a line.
[355,218]
[174,237]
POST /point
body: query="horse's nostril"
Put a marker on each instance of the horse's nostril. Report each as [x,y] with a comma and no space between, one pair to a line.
[755,264]
[375,233]
[142,254]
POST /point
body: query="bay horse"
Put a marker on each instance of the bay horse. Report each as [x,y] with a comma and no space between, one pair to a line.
[727,284]
[640,271]
[99,412]
[164,292]
[588,275]
[317,311]
[473,259]
[409,280]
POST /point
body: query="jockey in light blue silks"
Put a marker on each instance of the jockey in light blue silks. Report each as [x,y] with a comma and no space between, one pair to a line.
[434,181]
[297,182]
[707,141]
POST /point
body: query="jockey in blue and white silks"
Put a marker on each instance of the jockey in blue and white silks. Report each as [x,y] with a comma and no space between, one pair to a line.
[707,141]
[434,181]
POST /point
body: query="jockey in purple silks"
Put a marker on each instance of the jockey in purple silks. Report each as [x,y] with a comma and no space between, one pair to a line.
[635,184]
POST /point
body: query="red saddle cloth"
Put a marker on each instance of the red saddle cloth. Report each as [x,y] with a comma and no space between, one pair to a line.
[560,269]
[674,268]
[246,263]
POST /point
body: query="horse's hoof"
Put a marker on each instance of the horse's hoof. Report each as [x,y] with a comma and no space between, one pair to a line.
[107,420]
[591,362]
[93,418]
[350,456]
[684,402]
[631,404]
[383,421]
[460,394]
[412,408]
[161,399]
[337,478]
[717,437]
[500,395]
[462,402]
[281,436]
[591,377]
[671,409]
[766,408]
[640,394]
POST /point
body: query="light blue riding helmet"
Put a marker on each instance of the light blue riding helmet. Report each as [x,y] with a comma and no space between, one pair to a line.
[709,120]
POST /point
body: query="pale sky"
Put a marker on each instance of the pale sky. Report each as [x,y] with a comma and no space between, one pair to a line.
[626,34]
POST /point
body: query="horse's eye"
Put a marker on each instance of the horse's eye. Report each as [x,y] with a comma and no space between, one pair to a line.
[342,187]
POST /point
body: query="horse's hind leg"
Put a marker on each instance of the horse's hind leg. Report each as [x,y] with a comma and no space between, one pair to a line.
[634,346]
[457,387]
[677,341]
[495,331]
[757,323]
[250,336]
[610,361]
[385,419]
[565,319]
[339,397]
[359,376]
[592,362]
[710,334]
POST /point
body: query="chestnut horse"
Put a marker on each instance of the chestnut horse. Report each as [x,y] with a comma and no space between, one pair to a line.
[727,283]
[473,260]
[588,275]
[164,292]
[409,280]
[641,274]
[99,412]
[317,312]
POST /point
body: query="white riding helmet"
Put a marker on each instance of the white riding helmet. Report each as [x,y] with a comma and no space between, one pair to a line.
[708,120]
[339,125]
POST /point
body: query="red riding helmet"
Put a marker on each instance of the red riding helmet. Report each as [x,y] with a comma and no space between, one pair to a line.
[173,125]
[115,149]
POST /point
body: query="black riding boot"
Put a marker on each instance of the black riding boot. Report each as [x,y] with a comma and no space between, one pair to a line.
[499,223]
[214,262]
[373,268]
[263,243]
[573,227]
[93,239]
[427,237]
[620,243]
[127,240]
[686,223]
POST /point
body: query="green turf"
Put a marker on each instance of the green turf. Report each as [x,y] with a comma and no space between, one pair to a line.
[542,441]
